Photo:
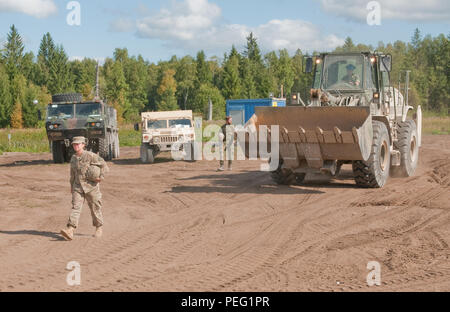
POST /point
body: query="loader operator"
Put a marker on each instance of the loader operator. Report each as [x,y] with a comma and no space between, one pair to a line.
[351,78]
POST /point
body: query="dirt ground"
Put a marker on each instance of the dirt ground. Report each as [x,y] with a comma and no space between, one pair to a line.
[180,226]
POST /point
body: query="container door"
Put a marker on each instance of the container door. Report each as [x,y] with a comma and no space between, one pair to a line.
[238,116]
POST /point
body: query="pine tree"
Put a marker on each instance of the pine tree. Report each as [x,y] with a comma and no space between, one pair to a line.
[46,51]
[204,74]
[59,74]
[116,88]
[16,116]
[231,80]
[13,53]
[6,106]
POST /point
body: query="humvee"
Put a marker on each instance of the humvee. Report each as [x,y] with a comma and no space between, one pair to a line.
[69,116]
[164,131]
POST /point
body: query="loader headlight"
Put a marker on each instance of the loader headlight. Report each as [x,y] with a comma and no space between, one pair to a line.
[156,140]
[318,60]
[50,127]
[373,59]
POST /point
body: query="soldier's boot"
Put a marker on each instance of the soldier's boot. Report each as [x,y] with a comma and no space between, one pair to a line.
[98,232]
[221,168]
[68,233]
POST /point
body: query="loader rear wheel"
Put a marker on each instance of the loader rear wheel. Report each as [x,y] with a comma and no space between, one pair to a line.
[408,146]
[374,172]
[283,176]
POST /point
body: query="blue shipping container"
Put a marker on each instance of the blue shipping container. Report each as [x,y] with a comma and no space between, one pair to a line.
[242,110]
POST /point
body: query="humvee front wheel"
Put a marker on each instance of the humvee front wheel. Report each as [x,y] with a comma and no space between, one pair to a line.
[374,172]
[147,154]
[408,146]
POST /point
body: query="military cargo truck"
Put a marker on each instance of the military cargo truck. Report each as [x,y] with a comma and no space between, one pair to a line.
[162,131]
[69,116]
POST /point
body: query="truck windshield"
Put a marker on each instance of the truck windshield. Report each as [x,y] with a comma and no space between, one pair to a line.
[156,124]
[342,72]
[179,123]
[60,110]
[88,110]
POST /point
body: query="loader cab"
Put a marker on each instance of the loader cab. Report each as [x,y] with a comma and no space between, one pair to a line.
[351,73]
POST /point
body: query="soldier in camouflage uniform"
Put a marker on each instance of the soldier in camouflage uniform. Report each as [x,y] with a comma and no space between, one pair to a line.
[351,78]
[227,144]
[83,188]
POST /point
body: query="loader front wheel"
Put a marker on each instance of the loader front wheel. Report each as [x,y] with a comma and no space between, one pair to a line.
[408,146]
[283,176]
[374,172]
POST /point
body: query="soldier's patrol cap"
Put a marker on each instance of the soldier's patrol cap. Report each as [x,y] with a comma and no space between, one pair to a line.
[350,67]
[78,140]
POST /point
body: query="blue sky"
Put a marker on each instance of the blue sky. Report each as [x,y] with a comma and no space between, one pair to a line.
[159,29]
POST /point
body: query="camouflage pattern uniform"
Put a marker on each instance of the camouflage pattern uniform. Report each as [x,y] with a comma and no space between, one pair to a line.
[83,189]
[228,147]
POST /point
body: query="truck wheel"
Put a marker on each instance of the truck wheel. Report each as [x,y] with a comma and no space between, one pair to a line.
[67,97]
[408,146]
[68,152]
[147,154]
[58,152]
[374,172]
[104,147]
[283,176]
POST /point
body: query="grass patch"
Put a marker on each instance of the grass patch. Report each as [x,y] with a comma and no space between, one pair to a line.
[436,125]
[24,140]
[128,136]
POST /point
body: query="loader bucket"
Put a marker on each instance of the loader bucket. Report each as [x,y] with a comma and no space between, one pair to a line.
[317,134]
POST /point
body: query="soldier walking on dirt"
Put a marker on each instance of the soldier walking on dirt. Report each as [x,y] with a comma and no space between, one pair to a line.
[86,172]
[228,144]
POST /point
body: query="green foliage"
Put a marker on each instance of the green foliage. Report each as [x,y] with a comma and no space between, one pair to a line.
[166,91]
[13,53]
[24,140]
[6,104]
[132,84]
[201,101]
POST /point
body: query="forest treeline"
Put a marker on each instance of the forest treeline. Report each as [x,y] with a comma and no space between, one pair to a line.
[132,84]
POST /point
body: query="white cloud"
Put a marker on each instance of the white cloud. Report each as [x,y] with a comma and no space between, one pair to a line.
[196,24]
[36,8]
[419,11]
[182,22]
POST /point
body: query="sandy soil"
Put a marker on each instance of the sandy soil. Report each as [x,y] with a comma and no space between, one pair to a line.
[179,226]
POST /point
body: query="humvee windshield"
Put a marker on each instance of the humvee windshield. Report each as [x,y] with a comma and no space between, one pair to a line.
[179,123]
[156,124]
[88,110]
[342,72]
[60,110]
